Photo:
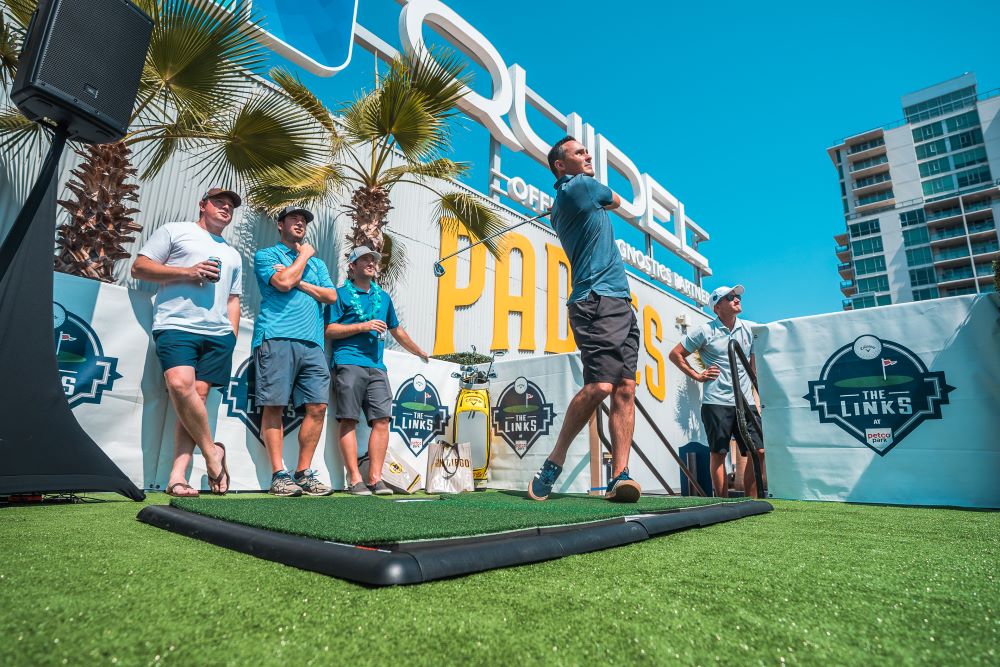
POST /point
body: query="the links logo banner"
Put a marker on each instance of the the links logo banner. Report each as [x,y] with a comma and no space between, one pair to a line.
[417,414]
[521,415]
[240,402]
[878,391]
[84,371]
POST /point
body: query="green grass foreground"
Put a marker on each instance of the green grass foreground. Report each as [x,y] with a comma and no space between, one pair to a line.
[374,520]
[810,583]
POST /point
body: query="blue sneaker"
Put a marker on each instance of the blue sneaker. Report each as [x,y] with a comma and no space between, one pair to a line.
[623,489]
[541,485]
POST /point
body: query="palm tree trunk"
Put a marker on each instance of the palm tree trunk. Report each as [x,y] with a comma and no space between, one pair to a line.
[369,211]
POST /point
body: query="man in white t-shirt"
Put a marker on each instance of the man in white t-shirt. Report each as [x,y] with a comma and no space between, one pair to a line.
[197,316]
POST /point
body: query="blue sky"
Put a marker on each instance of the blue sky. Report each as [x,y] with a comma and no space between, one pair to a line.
[729,105]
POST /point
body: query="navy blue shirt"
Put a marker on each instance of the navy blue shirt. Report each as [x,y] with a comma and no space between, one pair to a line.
[586,234]
[365,348]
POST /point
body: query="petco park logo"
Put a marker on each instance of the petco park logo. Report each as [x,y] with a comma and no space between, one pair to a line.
[417,413]
[83,369]
[878,391]
[239,399]
[522,415]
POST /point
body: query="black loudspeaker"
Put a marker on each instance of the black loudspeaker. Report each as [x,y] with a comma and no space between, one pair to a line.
[81,64]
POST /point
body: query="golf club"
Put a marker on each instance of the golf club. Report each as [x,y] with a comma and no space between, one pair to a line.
[439,270]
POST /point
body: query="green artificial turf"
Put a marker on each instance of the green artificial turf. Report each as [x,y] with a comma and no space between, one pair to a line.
[810,583]
[374,520]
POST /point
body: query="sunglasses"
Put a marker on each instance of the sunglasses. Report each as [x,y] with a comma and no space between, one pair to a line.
[733,297]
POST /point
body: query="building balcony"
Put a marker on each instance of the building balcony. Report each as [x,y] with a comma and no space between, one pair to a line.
[944,216]
[841,239]
[951,257]
[869,170]
[946,234]
[867,153]
[978,214]
[847,304]
[846,270]
[873,188]
[843,253]
[981,230]
[984,270]
[980,205]
[875,205]
[952,275]
[988,248]
[848,288]
[959,290]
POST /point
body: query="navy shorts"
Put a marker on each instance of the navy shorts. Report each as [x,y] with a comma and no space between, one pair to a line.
[361,389]
[606,331]
[210,356]
[290,369]
[721,427]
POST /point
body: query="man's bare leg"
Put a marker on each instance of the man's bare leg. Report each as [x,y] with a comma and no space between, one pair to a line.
[272,431]
[309,432]
[717,463]
[578,413]
[622,424]
[349,449]
[378,445]
[750,480]
[189,397]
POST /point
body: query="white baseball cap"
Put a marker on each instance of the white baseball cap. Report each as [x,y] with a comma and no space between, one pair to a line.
[719,293]
[360,252]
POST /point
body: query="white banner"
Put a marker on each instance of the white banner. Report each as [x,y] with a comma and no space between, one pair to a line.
[889,405]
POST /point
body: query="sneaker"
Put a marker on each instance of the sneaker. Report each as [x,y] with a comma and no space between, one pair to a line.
[359,489]
[282,484]
[311,486]
[379,488]
[623,489]
[541,485]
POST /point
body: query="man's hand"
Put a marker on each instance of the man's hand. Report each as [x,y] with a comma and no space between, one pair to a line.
[305,249]
[374,325]
[710,373]
[204,271]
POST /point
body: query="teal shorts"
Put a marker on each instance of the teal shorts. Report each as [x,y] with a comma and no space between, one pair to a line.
[210,356]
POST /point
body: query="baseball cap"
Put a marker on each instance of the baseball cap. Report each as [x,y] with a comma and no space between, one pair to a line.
[288,210]
[719,293]
[360,252]
[212,192]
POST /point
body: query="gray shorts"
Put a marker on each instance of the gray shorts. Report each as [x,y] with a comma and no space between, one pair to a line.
[358,388]
[290,369]
[606,331]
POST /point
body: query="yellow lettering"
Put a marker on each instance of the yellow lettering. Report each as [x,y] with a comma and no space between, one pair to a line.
[449,295]
[554,343]
[505,303]
[652,329]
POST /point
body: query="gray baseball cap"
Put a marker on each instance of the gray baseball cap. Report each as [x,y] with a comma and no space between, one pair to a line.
[295,209]
[360,252]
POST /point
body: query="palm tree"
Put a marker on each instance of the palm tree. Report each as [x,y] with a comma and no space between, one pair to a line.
[398,132]
[197,96]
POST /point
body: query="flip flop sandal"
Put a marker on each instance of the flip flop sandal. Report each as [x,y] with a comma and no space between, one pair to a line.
[183,485]
[223,475]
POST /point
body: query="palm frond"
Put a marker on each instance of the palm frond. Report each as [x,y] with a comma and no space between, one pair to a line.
[439,74]
[20,12]
[395,261]
[304,98]
[168,138]
[10,42]
[198,57]
[20,136]
[442,168]
[480,220]
[304,184]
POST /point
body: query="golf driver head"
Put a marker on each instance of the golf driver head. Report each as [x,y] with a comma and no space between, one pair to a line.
[438,270]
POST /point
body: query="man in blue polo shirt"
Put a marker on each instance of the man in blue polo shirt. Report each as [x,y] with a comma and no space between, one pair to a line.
[718,403]
[357,323]
[600,315]
[288,352]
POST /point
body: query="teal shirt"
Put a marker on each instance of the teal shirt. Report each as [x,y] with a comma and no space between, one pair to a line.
[292,314]
[712,339]
[586,234]
[363,349]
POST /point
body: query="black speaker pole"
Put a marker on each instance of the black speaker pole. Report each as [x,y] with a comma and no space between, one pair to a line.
[17,232]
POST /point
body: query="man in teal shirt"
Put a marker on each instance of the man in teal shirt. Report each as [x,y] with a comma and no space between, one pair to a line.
[600,315]
[288,351]
[357,323]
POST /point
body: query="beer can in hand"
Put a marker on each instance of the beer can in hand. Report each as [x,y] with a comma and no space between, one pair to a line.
[218,262]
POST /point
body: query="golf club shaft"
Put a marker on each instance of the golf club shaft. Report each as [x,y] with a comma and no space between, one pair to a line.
[493,236]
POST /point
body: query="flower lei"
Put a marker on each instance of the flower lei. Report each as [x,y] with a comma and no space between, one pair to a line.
[374,301]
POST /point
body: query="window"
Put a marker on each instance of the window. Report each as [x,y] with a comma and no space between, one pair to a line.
[966,139]
[912,218]
[864,228]
[877,197]
[858,148]
[915,236]
[924,276]
[964,121]
[935,167]
[941,104]
[969,158]
[973,176]
[874,284]
[925,151]
[870,162]
[918,256]
[883,300]
[867,246]
[869,265]
[925,293]
[926,132]
[871,180]
[936,185]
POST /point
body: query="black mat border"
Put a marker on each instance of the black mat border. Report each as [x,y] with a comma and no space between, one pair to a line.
[382,567]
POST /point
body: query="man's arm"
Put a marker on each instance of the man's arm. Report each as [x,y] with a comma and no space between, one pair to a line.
[615,202]
[145,268]
[336,331]
[403,338]
[321,294]
[233,311]
[289,277]
[679,355]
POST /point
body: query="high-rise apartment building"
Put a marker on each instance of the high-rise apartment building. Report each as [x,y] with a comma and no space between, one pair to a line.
[921,199]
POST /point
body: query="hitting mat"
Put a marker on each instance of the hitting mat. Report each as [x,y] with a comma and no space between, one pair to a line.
[413,539]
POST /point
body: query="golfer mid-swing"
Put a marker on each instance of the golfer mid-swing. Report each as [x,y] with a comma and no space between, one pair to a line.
[600,315]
